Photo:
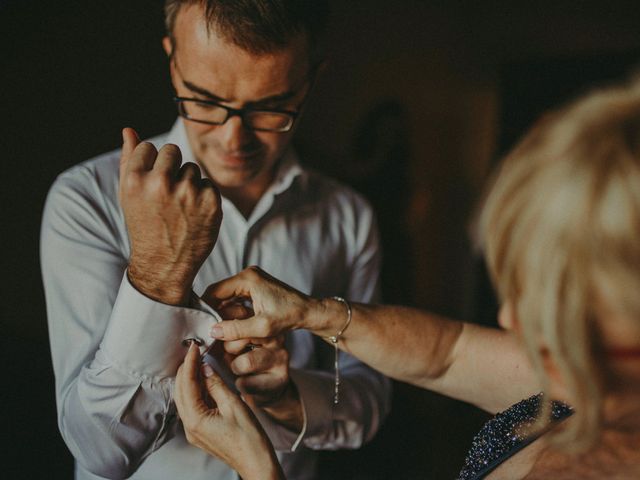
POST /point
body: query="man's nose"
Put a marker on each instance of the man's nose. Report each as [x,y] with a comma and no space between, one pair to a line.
[234,135]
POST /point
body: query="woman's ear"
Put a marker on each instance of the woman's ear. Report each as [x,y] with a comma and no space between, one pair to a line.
[507,318]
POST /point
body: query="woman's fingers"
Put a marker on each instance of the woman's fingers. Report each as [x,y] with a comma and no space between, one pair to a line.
[234,310]
[257,326]
[225,399]
[187,390]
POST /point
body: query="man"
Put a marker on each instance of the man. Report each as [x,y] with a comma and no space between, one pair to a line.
[127,243]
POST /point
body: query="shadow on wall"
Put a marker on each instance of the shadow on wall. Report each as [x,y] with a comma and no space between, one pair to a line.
[424,433]
[378,168]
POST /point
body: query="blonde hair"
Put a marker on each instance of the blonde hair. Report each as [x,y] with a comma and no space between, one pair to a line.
[560,228]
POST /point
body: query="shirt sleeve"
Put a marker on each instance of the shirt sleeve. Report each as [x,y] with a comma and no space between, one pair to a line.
[365,394]
[115,351]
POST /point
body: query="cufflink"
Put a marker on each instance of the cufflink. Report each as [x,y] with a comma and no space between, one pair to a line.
[188,341]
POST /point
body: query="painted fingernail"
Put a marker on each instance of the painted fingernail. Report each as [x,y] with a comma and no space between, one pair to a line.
[217,331]
[207,371]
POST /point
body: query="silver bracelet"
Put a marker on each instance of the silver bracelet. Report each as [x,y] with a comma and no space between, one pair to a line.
[335,339]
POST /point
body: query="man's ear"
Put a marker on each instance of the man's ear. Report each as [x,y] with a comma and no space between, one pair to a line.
[168,46]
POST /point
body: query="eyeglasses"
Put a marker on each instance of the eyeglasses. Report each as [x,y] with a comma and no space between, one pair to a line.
[213,113]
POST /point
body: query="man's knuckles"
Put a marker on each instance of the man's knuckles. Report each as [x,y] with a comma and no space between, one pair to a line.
[145,149]
[131,184]
[186,192]
[143,157]
[210,197]
[158,186]
[170,153]
[190,172]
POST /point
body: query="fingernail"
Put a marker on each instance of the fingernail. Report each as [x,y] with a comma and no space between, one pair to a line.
[217,331]
[207,371]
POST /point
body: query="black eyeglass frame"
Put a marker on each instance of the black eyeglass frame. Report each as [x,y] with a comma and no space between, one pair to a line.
[239,112]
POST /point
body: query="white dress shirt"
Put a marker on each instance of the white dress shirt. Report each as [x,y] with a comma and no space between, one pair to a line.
[115,351]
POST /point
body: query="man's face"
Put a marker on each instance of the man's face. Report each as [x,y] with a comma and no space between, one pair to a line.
[207,67]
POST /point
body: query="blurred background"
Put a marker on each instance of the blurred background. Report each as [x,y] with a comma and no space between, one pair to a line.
[418,102]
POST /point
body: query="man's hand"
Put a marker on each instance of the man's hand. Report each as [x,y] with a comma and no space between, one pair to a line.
[173,217]
[262,368]
[228,430]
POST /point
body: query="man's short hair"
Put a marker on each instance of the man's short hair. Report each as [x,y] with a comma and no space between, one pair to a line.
[259,26]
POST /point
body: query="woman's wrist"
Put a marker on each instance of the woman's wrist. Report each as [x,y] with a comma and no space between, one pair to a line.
[325,316]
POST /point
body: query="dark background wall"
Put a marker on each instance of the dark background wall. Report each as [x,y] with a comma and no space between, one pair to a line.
[418,100]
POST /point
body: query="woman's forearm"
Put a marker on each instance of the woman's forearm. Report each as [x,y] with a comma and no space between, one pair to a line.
[403,343]
[480,365]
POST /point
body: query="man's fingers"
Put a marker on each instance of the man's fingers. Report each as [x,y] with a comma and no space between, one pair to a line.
[168,160]
[142,158]
[191,172]
[130,141]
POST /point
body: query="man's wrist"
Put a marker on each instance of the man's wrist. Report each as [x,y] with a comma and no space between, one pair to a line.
[287,410]
[161,290]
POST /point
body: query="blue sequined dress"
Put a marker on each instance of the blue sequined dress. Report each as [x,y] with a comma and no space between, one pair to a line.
[502,436]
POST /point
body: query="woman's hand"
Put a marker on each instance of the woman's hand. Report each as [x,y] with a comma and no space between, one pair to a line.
[228,429]
[277,307]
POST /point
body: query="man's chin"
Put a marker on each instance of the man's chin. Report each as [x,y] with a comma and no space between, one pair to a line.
[236,174]
[228,173]
[233,179]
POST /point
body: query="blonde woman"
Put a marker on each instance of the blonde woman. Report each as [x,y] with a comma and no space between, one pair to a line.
[560,228]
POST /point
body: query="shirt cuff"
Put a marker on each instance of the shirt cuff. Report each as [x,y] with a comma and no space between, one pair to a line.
[145,337]
[282,438]
[316,394]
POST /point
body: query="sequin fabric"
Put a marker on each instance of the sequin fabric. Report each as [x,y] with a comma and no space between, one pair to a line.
[505,434]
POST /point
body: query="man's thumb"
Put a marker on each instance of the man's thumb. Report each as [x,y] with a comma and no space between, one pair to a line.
[130,140]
